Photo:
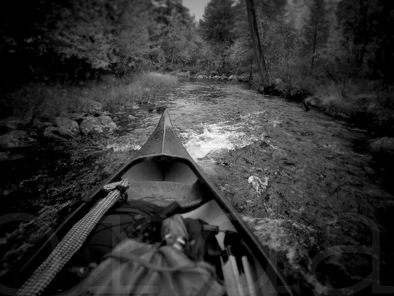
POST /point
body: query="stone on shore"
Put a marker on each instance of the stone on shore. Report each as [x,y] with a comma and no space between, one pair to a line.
[16,139]
[67,127]
[94,125]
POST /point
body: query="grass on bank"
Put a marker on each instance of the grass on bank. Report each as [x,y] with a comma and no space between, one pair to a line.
[366,101]
[44,101]
[141,89]
[356,99]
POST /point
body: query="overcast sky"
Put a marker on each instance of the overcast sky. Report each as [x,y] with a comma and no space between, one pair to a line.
[196,7]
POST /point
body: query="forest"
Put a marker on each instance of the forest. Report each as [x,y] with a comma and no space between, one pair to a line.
[336,54]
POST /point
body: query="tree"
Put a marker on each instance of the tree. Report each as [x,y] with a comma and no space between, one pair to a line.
[134,37]
[218,22]
[240,54]
[216,28]
[316,29]
[25,49]
[176,36]
[258,46]
[367,26]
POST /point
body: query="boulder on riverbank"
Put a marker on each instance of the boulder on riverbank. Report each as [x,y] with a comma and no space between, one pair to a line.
[16,139]
[101,124]
[7,156]
[52,133]
[244,77]
[67,127]
[9,124]
[383,147]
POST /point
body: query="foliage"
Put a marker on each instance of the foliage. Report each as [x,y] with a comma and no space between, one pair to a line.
[74,40]
[218,21]
[240,53]
[177,41]
[303,42]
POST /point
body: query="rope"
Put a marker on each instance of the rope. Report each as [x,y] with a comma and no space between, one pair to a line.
[71,243]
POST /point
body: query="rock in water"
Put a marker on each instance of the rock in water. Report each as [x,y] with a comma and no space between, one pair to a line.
[260,90]
[101,124]
[52,133]
[382,146]
[158,109]
[258,184]
[67,127]
[7,156]
[9,124]
[16,139]
[306,106]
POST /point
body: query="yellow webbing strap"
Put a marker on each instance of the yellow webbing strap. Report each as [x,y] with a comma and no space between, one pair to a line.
[71,243]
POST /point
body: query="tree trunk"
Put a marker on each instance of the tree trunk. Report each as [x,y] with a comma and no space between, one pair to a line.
[314,44]
[258,47]
[172,58]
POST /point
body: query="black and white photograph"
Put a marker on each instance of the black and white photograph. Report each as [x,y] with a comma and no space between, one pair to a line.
[197,147]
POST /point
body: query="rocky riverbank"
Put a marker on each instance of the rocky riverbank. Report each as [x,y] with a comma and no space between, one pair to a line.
[49,164]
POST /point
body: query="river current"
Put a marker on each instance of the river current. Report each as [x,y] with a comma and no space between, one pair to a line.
[297,178]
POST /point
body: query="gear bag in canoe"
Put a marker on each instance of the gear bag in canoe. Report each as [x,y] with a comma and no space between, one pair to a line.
[166,268]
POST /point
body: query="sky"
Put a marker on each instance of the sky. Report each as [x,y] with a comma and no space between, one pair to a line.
[196,7]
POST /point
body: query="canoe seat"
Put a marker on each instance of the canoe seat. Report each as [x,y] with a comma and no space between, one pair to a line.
[163,193]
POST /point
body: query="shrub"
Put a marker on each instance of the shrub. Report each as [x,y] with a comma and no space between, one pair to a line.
[142,88]
[40,100]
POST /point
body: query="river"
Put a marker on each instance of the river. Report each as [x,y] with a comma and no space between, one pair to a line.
[299,179]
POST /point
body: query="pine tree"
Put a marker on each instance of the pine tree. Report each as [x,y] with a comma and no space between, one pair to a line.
[257,44]
[218,22]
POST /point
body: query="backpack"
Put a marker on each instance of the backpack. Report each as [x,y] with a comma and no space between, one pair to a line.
[137,219]
[166,268]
